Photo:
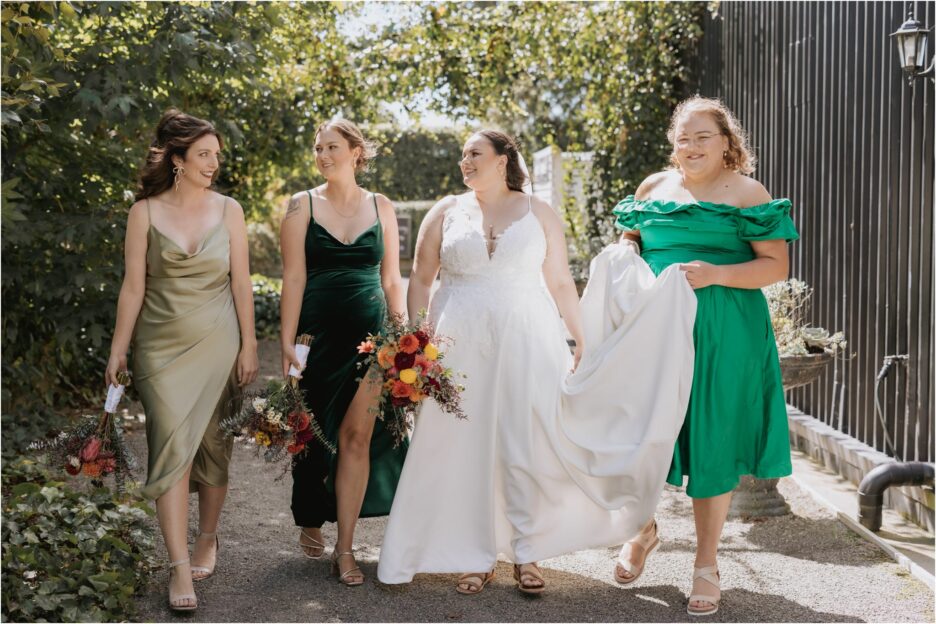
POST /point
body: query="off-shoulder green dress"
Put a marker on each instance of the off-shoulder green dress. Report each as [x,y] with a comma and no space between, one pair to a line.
[736,422]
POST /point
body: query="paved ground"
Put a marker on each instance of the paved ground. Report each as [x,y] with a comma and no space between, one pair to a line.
[806,567]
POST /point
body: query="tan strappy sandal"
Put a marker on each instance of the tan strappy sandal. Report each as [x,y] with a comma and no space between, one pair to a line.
[648,543]
[475,582]
[205,571]
[345,577]
[710,575]
[175,599]
[524,573]
[315,544]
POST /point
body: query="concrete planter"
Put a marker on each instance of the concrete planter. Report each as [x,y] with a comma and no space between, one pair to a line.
[759,498]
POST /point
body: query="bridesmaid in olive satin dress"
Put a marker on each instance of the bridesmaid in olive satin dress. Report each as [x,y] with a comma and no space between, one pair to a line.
[340,275]
[186,304]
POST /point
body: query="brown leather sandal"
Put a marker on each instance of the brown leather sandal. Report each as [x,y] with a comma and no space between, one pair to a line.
[526,572]
[474,581]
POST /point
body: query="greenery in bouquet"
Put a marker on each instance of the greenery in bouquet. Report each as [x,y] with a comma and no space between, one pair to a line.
[276,420]
[789,302]
[95,447]
[407,363]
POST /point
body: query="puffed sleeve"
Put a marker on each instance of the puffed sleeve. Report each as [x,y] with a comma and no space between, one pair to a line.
[627,213]
[770,221]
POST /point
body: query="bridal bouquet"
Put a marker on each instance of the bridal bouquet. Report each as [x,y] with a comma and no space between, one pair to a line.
[95,447]
[407,363]
[276,418]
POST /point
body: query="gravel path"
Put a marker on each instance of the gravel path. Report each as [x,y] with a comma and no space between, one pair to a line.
[806,567]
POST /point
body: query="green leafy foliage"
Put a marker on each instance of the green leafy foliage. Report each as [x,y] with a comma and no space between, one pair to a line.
[83,86]
[416,164]
[84,83]
[602,77]
[69,555]
[266,294]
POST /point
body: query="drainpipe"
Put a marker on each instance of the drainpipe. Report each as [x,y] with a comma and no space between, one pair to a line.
[871,490]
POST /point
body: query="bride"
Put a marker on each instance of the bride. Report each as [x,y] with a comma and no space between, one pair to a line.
[547,462]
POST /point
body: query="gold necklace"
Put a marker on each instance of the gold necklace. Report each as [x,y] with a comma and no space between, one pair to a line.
[357,207]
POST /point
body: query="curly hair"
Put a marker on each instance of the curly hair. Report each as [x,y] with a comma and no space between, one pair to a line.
[175,133]
[738,156]
[352,134]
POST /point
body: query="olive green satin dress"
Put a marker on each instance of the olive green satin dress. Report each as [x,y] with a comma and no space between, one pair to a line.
[736,422]
[343,302]
[185,350]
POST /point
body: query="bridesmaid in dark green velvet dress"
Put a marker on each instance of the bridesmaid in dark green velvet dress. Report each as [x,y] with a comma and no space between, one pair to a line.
[341,273]
[730,237]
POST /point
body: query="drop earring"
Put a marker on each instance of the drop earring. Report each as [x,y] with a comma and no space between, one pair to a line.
[179,171]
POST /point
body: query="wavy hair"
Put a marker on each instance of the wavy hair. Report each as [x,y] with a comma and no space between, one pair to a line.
[175,133]
[738,155]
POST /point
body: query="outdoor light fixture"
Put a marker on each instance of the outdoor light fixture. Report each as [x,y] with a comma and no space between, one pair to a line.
[912,38]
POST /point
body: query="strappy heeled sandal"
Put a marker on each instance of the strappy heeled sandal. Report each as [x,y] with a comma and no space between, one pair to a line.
[175,599]
[710,575]
[474,587]
[344,577]
[205,571]
[648,543]
[315,544]
[523,577]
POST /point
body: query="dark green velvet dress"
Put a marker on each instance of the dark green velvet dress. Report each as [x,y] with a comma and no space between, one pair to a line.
[343,302]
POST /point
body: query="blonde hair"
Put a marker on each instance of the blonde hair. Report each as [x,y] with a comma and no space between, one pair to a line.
[738,156]
[352,134]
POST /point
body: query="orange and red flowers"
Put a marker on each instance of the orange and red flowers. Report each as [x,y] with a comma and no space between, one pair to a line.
[409,343]
[277,421]
[95,446]
[406,364]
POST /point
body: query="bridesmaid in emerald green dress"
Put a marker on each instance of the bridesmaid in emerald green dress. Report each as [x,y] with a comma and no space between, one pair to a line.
[341,273]
[730,238]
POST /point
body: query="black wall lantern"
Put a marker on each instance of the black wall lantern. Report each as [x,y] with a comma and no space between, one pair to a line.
[912,39]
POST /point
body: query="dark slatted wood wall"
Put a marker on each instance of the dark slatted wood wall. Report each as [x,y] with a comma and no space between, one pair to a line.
[838,129]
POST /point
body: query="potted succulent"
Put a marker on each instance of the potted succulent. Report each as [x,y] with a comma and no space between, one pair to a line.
[804,350]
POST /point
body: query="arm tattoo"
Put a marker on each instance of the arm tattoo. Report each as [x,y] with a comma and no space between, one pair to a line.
[293,207]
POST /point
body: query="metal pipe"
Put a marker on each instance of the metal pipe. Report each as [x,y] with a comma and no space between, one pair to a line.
[872,488]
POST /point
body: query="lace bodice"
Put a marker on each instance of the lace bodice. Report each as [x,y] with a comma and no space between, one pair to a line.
[516,261]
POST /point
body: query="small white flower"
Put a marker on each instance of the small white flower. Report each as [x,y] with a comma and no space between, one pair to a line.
[259,404]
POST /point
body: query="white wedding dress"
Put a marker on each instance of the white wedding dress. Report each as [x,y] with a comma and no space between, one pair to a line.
[546,463]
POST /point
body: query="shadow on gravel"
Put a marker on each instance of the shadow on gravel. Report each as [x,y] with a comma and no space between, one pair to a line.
[295,591]
[816,540]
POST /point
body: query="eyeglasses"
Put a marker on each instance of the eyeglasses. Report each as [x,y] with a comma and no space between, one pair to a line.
[701,140]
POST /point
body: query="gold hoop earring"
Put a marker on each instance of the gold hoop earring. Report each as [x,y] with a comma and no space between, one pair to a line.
[179,171]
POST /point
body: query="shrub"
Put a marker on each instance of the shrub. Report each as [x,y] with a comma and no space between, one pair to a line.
[70,555]
[266,293]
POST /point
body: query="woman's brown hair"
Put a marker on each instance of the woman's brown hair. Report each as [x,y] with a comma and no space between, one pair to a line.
[505,145]
[738,156]
[175,133]
[352,134]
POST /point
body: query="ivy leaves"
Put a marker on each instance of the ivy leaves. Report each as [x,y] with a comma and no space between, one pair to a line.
[70,555]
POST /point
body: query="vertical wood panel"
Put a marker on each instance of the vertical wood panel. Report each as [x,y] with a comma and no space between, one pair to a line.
[838,130]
